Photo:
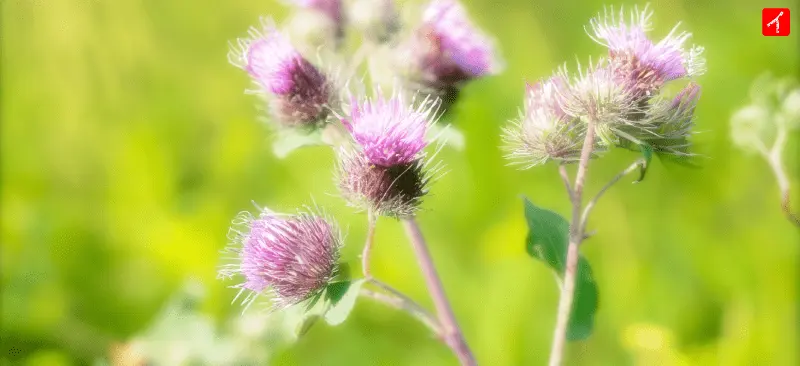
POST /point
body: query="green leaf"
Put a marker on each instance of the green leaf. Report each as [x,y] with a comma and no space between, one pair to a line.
[342,297]
[647,153]
[342,273]
[291,139]
[548,238]
[305,324]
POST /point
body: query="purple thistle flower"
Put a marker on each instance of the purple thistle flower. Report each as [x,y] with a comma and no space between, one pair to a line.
[386,174]
[299,92]
[450,49]
[390,131]
[544,130]
[290,257]
[639,63]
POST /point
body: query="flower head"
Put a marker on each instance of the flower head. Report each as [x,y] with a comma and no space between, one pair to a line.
[390,131]
[638,62]
[385,172]
[544,131]
[449,48]
[290,257]
[668,124]
[594,95]
[395,190]
[298,91]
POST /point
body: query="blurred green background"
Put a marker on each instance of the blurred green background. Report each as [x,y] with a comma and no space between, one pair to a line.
[128,146]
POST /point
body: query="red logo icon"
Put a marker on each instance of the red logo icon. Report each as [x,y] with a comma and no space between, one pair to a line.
[775,22]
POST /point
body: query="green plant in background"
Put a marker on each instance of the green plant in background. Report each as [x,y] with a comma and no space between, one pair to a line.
[764,125]
[127,148]
[615,102]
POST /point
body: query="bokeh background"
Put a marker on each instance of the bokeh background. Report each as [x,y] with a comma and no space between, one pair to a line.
[128,147]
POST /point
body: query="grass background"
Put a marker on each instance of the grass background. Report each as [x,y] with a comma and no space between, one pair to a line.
[128,146]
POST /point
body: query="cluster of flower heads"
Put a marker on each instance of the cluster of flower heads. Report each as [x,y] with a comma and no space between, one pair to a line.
[445,51]
[622,95]
[383,168]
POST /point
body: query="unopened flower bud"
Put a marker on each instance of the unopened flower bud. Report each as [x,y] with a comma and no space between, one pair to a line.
[290,258]
[594,95]
[668,124]
[544,132]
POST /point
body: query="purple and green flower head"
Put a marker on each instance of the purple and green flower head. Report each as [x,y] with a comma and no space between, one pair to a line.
[544,131]
[298,92]
[390,131]
[450,48]
[385,170]
[287,257]
[638,62]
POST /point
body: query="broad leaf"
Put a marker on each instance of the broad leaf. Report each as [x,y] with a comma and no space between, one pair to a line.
[288,140]
[548,238]
[342,297]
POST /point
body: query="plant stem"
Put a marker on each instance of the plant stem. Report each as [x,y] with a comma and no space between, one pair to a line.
[400,301]
[773,158]
[451,333]
[562,170]
[575,239]
[589,206]
[371,223]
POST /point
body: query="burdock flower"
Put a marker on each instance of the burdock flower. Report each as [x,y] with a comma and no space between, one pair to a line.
[544,132]
[297,91]
[290,258]
[639,63]
[385,172]
[448,49]
[668,124]
[594,95]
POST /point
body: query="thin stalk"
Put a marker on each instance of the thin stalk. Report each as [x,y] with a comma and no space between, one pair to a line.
[562,170]
[773,158]
[451,333]
[576,237]
[589,206]
[400,301]
[365,253]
